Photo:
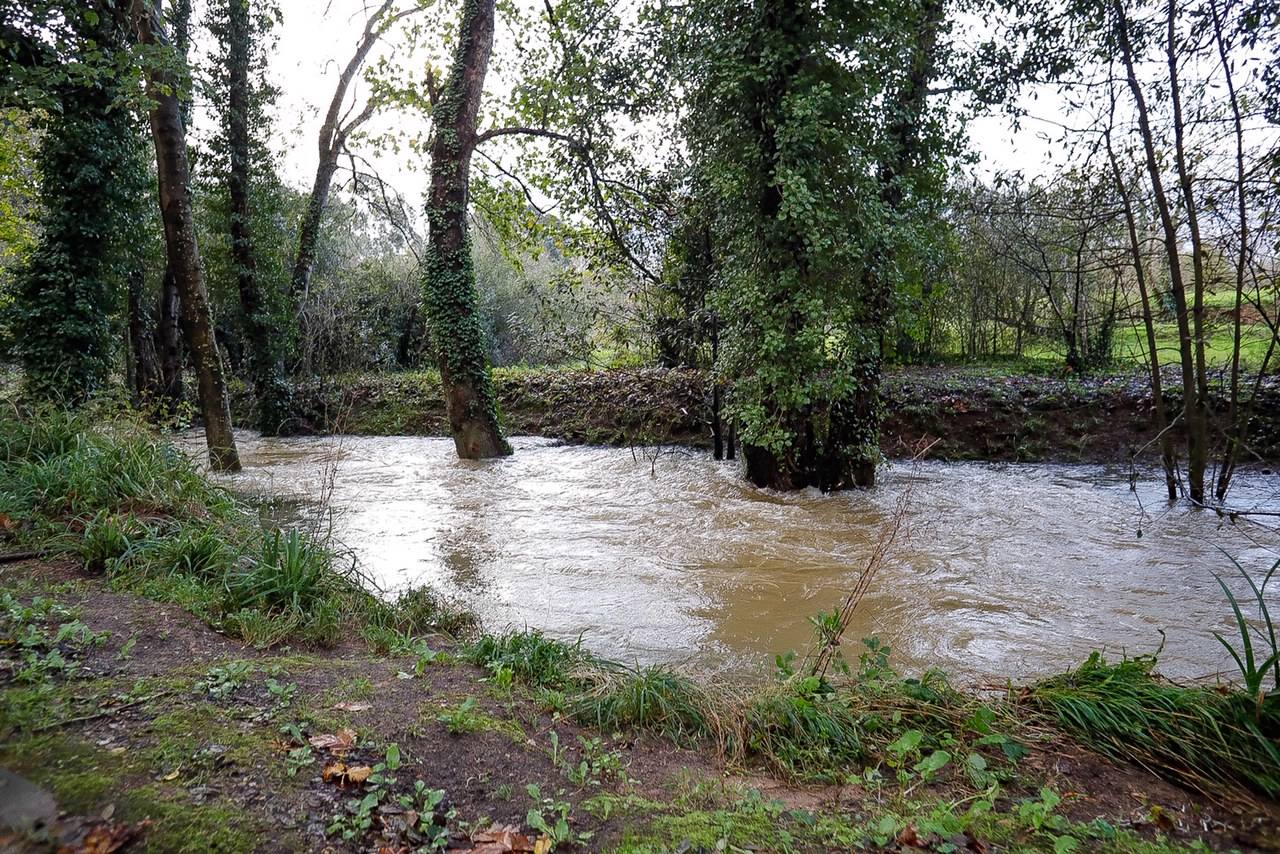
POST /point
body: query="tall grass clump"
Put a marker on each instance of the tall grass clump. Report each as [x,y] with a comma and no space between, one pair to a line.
[1257,656]
[108,491]
[654,698]
[1212,740]
[532,658]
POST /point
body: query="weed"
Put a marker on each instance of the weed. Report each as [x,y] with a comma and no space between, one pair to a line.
[654,698]
[550,817]
[463,719]
[1252,672]
[1199,737]
[532,657]
[222,681]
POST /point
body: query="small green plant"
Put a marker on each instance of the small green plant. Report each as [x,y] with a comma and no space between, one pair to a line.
[222,681]
[282,694]
[597,765]
[463,719]
[1253,672]
[550,817]
[298,758]
[532,657]
[433,814]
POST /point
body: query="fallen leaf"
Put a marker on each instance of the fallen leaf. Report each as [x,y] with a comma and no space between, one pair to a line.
[353,707]
[359,774]
[543,845]
[908,836]
[502,839]
[339,742]
[107,838]
[172,775]
[333,771]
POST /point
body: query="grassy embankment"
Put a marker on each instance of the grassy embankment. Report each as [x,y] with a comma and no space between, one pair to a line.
[293,709]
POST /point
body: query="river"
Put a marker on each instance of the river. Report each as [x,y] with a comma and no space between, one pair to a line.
[664,555]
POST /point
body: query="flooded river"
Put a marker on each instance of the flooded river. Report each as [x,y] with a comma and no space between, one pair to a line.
[1002,570]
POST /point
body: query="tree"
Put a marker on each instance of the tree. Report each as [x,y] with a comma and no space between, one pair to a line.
[174,178]
[332,142]
[264,320]
[449,276]
[808,131]
[91,187]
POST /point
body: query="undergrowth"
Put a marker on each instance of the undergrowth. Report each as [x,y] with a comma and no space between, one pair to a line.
[103,488]
[1201,737]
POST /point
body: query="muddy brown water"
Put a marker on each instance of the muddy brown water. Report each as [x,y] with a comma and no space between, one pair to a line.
[1002,570]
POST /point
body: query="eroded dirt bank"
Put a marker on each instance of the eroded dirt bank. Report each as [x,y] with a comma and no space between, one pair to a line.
[976,414]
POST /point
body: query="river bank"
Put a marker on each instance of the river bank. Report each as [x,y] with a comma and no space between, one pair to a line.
[154,727]
[974,413]
[177,671]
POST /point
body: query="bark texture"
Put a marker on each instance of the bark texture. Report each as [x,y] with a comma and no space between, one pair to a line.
[450,286]
[270,389]
[174,178]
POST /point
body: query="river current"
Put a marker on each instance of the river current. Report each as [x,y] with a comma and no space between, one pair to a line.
[663,555]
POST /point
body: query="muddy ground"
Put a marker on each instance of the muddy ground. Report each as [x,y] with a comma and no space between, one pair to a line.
[167,736]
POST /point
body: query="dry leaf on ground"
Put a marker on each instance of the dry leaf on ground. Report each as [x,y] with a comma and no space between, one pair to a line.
[352,707]
[339,742]
[502,839]
[107,838]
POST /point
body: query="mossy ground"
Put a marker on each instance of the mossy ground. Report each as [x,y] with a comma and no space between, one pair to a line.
[156,717]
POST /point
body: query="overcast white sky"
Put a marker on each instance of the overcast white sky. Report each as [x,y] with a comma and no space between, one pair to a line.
[318,36]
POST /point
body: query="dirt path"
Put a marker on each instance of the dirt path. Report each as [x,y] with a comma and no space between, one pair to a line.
[153,732]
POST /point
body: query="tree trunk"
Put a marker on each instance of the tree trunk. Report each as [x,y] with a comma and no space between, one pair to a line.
[169,344]
[905,135]
[1193,413]
[1198,404]
[1237,422]
[1167,455]
[270,388]
[143,368]
[174,179]
[449,278]
[309,230]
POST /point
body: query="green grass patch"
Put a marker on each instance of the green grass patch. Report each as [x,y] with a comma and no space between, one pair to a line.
[1199,736]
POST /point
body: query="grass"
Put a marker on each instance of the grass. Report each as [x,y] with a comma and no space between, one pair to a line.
[104,489]
[1200,737]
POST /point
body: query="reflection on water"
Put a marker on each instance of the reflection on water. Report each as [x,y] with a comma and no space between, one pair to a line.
[1006,570]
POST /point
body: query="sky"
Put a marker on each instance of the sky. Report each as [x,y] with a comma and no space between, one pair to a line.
[317,37]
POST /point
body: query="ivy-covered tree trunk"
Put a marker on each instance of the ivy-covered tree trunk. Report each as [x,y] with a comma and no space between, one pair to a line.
[270,388]
[174,178]
[91,184]
[906,155]
[143,368]
[169,324]
[450,282]
[169,344]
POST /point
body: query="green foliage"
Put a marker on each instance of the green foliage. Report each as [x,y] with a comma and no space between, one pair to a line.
[1253,672]
[532,657]
[1197,736]
[808,203]
[654,698]
[92,195]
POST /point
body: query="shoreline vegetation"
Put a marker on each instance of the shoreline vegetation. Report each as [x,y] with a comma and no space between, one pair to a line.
[178,671]
[987,412]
